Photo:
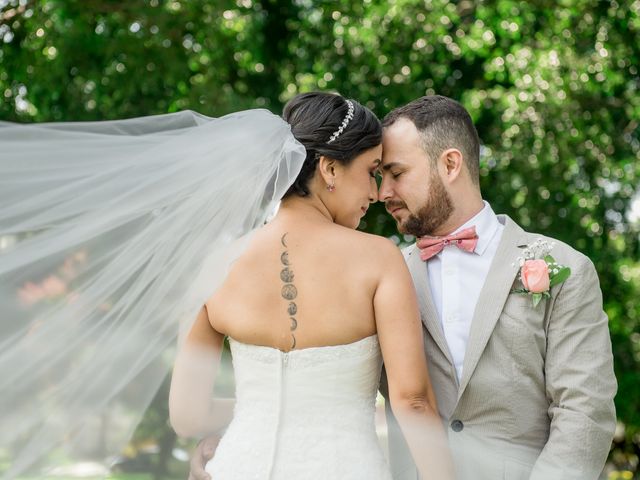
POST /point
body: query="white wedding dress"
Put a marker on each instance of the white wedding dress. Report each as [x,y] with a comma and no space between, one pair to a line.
[306,414]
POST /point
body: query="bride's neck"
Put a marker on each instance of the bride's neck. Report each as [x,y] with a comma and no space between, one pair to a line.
[307,208]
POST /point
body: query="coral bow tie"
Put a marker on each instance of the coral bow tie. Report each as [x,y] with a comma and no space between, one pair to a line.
[466,240]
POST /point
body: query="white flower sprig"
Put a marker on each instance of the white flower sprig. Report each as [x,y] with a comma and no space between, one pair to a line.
[538,249]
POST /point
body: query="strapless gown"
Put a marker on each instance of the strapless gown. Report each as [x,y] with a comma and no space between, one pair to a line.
[306,414]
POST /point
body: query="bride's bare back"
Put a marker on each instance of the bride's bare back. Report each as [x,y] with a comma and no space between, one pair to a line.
[309,279]
[301,283]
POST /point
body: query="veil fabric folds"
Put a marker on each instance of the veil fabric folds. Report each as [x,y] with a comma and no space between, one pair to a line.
[112,236]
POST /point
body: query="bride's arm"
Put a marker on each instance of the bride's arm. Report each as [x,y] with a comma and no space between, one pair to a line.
[192,411]
[410,392]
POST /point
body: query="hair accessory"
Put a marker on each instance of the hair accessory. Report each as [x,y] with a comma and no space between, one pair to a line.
[348,117]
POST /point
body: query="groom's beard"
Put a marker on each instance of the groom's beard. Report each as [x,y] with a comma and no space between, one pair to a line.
[436,210]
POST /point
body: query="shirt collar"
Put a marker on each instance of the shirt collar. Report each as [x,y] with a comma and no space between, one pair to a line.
[486,223]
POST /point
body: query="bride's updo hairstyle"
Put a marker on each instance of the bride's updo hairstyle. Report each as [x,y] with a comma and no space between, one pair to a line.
[315,118]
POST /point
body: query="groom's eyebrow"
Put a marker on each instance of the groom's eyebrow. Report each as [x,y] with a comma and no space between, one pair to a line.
[388,166]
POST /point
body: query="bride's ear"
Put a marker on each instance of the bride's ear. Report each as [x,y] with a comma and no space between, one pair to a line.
[327,167]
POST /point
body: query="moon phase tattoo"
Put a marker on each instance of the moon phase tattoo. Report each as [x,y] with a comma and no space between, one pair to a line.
[289,291]
[286,275]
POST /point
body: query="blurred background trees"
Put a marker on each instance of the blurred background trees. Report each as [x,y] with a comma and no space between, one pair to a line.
[551,85]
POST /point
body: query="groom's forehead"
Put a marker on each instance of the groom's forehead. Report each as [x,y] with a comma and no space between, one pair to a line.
[402,161]
[401,154]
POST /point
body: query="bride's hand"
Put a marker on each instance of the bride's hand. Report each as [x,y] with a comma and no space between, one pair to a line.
[202,454]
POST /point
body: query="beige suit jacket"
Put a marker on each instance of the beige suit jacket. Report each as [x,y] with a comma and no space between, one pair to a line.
[535,400]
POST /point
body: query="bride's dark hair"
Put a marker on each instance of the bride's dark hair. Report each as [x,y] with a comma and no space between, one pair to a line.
[314,117]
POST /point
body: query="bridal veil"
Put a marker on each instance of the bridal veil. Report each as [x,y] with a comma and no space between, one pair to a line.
[112,236]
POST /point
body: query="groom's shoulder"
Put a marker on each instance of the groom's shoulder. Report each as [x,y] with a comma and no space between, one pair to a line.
[562,252]
[408,251]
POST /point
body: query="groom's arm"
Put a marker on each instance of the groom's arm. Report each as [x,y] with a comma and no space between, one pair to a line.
[580,383]
[206,447]
[400,460]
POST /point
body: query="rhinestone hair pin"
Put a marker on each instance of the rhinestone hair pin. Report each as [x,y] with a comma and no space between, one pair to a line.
[348,117]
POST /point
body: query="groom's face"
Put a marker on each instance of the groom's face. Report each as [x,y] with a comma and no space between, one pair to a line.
[411,187]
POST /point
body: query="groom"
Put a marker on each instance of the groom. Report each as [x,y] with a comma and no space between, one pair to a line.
[526,392]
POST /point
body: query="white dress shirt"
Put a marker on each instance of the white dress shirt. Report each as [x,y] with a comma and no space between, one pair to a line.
[456,278]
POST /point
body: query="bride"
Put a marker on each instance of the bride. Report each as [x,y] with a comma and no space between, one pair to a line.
[113,236]
[312,307]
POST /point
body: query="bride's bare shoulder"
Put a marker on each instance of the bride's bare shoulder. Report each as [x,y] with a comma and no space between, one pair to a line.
[376,247]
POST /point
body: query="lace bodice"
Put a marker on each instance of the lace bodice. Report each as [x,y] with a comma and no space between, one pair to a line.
[305,414]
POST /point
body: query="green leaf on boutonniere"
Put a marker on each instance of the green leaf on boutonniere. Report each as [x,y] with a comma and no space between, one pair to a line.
[560,277]
[536,297]
[549,259]
[519,290]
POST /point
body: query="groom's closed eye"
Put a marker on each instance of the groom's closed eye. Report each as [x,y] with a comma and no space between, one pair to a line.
[394,174]
[394,168]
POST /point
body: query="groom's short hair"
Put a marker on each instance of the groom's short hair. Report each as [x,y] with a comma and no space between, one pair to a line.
[443,123]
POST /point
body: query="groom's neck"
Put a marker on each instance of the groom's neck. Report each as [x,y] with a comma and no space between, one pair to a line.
[464,210]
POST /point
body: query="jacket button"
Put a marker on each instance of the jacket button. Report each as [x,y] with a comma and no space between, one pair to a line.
[457,426]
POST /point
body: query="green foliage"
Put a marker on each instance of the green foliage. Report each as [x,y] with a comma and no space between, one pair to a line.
[552,87]
[557,273]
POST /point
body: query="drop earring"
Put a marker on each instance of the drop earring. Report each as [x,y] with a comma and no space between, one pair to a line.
[331,187]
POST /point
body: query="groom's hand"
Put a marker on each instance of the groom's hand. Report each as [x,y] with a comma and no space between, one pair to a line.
[202,454]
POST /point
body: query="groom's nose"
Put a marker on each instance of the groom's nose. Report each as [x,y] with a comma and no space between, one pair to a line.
[384,192]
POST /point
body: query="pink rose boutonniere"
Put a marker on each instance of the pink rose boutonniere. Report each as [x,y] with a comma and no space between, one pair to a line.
[539,271]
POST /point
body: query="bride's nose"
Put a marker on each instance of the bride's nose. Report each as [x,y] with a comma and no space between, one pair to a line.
[373,192]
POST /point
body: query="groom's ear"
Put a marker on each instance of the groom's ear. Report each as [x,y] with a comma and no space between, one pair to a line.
[452,163]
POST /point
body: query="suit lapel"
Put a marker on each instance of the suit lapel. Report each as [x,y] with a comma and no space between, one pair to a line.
[428,313]
[493,296]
